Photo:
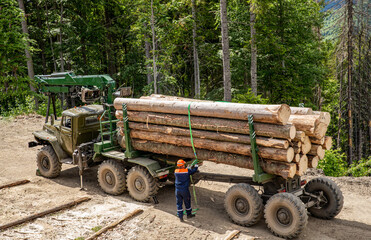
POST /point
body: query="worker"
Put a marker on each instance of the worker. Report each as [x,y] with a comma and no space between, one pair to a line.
[182,179]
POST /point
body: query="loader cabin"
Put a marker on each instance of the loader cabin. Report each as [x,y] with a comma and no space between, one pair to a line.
[79,125]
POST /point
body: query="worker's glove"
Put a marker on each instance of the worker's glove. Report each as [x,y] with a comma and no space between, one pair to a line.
[196,166]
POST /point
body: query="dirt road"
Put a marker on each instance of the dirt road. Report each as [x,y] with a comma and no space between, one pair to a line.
[158,221]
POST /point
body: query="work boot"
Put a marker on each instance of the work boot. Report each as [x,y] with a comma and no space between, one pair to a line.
[181,219]
[191,215]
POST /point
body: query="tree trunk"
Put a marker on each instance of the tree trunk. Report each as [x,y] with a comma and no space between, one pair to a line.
[284,155]
[225,50]
[224,137]
[60,40]
[254,77]
[30,68]
[154,48]
[212,124]
[50,37]
[350,76]
[196,64]
[286,170]
[276,114]
[147,47]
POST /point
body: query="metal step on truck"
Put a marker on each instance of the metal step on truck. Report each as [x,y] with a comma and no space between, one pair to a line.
[87,135]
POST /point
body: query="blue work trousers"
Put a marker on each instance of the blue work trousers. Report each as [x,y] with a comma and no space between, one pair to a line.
[183,195]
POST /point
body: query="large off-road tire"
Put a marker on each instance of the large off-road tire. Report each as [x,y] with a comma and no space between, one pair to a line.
[111,177]
[243,204]
[48,163]
[141,185]
[331,198]
[285,215]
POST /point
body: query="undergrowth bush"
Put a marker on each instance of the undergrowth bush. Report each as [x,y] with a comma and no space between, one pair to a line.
[361,168]
[334,163]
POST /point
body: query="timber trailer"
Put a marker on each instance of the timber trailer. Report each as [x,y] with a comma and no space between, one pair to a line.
[87,136]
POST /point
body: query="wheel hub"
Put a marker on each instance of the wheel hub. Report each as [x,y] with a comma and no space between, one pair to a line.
[283,216]
[242,206]
[109,178]
[139,184]
[45,163]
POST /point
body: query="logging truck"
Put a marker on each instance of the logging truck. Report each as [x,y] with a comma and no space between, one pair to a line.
[112,136]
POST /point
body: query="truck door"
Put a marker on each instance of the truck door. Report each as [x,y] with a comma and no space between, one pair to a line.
[66,134]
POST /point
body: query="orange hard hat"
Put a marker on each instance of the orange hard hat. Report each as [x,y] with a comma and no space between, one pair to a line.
[180,163]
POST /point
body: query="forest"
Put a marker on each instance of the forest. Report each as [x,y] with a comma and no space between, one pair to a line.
[299,52]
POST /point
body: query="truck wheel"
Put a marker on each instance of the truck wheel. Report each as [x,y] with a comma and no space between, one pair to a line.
[331,198]
[111,177]
[48,163]
[141,185]
[285,215]
[243,204]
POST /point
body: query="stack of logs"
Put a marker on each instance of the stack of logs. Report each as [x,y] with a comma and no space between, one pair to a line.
[289,139]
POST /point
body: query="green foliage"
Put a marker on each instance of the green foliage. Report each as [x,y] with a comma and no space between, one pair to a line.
[333,164]
[361,168]
[248,97]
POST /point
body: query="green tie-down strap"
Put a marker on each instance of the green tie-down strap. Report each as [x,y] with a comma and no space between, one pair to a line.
[190,132]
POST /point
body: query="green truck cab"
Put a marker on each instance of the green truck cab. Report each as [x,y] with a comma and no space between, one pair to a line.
[80,138]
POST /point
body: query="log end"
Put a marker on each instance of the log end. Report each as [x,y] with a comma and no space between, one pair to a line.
[284,114]
[290,154]
[292,132]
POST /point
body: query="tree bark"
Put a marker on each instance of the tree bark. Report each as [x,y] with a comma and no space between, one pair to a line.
[301,111]
[30,68]
[318,141]
[284,155]
[154,48]
[286,170]
[224,137]
[225,50]
[196,65]
[212,124]
[254,77]
[277,114]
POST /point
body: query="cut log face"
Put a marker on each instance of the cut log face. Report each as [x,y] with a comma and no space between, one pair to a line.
[211,124]
[299,136]
[219,136]
[306,145]
[312,125]
[297,149]
[302,165]
[325,117]
[277,114]
[313,161]
[296,158]
[301,111]
[327,143]
[283,169]
[317,150]
[285,155]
